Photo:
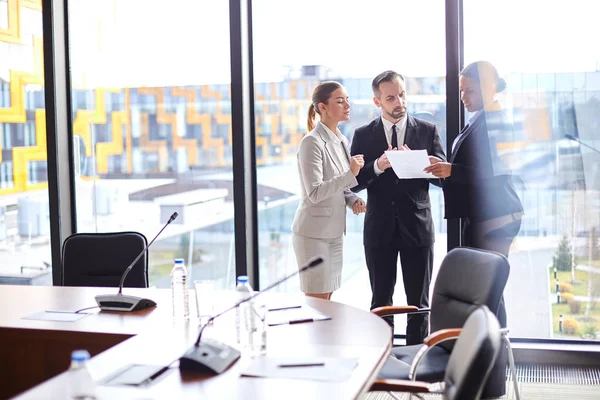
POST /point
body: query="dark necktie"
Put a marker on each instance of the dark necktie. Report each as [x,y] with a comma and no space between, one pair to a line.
[394,137]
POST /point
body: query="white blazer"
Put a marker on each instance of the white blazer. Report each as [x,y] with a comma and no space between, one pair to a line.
[324,187]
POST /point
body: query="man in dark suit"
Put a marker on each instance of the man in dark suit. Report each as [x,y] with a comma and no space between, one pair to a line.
[398,218]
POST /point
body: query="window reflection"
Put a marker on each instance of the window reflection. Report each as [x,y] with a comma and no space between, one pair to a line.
[554,107]
[285,80]
[152,129]
[24,208]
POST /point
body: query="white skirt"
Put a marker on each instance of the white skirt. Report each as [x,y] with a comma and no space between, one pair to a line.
[326,277]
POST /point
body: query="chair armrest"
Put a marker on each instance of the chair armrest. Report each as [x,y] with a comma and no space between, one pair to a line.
[399,385]
[441,335]
[391,310]
[428,343]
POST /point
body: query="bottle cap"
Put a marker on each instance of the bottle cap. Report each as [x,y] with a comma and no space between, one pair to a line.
[80,355]
[179,261]
[242,279]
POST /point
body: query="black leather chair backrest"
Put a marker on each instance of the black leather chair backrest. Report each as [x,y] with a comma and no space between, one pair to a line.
[473,356]
[467,279]
[99,259]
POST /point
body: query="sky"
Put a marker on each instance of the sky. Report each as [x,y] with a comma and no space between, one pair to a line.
[147,43]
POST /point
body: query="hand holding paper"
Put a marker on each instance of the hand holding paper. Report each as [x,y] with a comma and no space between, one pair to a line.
[410,164]
[382,162]
[439,168]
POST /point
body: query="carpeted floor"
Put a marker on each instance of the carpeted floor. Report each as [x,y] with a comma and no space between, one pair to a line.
[529,391]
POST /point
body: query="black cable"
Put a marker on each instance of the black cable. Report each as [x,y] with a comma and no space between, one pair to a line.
[83,309]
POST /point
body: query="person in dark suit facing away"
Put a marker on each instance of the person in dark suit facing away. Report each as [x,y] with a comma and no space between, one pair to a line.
[398,218]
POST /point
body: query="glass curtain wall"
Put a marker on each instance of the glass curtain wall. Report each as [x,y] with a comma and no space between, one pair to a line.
[152,128]
[152,113]
[349,42]
[25,256]
[543,51]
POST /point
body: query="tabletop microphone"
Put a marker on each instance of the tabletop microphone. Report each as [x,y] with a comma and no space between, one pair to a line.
[215,357]
[122,302]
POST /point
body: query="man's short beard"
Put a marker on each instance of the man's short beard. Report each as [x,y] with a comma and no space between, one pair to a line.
[396,116]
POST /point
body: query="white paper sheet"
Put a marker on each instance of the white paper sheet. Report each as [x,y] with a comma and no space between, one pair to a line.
[60,316]
[322,369]
[409,164]
[295,315]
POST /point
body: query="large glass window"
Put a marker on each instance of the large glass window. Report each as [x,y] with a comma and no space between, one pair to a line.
[152,128]
[25,256]
[350,42]
[553,99]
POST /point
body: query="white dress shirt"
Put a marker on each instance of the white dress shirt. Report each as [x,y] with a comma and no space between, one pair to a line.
[400,133]
[339,149]
[332,135]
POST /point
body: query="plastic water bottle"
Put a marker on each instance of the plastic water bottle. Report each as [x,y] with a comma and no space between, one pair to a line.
[81,383]
[244,313]
[179,289]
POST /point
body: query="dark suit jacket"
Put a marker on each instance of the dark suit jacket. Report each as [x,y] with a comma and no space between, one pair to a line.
[390,197]
[478,187]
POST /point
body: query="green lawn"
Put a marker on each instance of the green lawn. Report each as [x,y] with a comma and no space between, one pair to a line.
[580,287]
[594,319]
[585,261]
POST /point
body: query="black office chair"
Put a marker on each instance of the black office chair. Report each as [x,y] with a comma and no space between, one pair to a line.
[467,279]
[469,365]
[99,259]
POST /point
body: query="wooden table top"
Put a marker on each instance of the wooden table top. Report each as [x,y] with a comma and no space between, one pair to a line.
[159,340]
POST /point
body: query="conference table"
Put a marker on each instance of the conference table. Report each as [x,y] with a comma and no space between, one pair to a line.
[36,353]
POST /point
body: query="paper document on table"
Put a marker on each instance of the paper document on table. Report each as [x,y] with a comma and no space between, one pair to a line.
[409,164]
[61,316]
[307,367]
[295,315]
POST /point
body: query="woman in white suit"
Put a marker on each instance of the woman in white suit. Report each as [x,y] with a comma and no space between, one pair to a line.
[327,172]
